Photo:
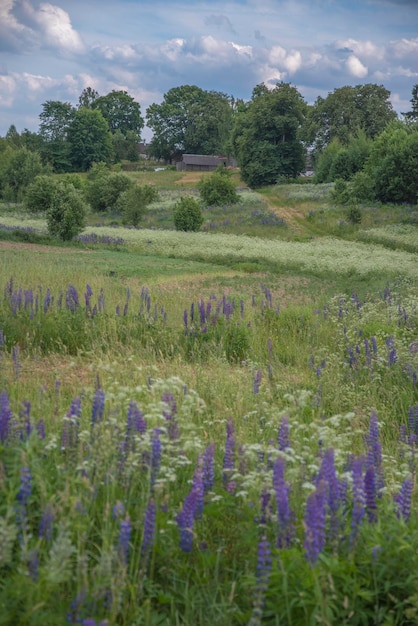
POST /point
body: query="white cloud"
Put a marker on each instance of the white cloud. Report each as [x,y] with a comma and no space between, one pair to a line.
[356,67]
[56,26]
[365,49]
[7,91]
[405,47]
[290,62]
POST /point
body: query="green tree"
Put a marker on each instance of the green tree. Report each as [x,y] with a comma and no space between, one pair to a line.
[187,214]
[121,112]
[190,120]
[13,138]
[18,168]
[218,188]
[87,98]
[55,120]
[104,190]
[133,203]
[40,193]
[125,146]
[412,115]
[89,139]
[266,135]
[344,112]
[66,215]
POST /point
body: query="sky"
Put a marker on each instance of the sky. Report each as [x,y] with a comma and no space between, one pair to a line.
[53,50]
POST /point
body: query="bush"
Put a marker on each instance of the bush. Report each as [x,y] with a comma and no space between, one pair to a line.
[354,213]
[67,212]
[133,203]
[218,188]
[17,172]
[105,190]
[39,194]
[341,193]
[188,214]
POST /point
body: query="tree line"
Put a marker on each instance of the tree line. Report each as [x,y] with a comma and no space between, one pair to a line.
[352,131]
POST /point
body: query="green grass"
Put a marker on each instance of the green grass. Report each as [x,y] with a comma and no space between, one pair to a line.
[309,324]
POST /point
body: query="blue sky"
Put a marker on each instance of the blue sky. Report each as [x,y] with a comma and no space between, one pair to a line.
[53,50]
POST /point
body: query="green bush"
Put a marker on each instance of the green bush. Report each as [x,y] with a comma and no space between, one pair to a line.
[218,188]
[133,203]
[39,194]
[66,215]
[105,189]
[341,193]
[188,214]
[354,213]
[18,169]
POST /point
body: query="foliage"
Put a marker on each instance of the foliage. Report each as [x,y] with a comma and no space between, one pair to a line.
[55,121]
[133,203]
[104,189]
[66,215]
[393,163]
[87,98]
[341,193]
[412,115]
[218,188]
[89,140]
[354,213]
[40,193]
[266,135]
[189,120]
[347,110]
[120,110]
[337,161]
[18,168]
[125,146]
[187,214]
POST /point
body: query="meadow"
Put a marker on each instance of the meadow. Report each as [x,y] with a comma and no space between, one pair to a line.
[210,428]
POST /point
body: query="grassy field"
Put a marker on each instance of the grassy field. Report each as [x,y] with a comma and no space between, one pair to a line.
[210,428]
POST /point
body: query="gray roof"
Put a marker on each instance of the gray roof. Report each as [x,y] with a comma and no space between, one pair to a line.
[200,159]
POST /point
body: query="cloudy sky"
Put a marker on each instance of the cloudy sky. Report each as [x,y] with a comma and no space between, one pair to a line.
[53,50]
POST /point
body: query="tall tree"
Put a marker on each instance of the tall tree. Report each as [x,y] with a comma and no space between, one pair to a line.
[347,110]
[121,112]
[266,135]
[190,120]
[87,98]
[89,140]
[55,121]
[413,113]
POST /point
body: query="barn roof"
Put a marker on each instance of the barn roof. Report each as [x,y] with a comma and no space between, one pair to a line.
[200,159]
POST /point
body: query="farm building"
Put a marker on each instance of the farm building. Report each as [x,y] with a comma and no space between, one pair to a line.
[203,162]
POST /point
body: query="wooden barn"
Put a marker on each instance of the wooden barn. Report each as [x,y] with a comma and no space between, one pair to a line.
[201,162]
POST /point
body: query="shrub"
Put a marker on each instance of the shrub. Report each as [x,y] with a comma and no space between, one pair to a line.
[39,194]
[104,191]
[18,171]
[187,214]
[218,188]
[66,214]
[133,203]
[354,213]
[341,193]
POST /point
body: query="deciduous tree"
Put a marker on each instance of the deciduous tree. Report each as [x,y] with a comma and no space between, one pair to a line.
[121,112]
[89,140]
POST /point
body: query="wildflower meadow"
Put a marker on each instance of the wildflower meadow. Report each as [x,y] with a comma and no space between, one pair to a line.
[233,440]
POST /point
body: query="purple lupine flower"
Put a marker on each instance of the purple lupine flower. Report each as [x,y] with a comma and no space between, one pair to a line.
[98,405]
[327,473]
[229,456]
[71,424]
[262,580]
[374,451]
[209,467]
[202,312]
[135,420]
[283,437]
[155,455]
[71,299]
[87,297]
[198,486]
[404,499]
[257,381]
[186,322]
[413,419]
[40,428]
[315,524]
[125,530]
[359,495]
[118,509]
[374,344]
[25,486]
[370,493]
[149,528]
[391,350]
[45,523]
[28,299]
[5,417]
[185,520]
[367,353]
